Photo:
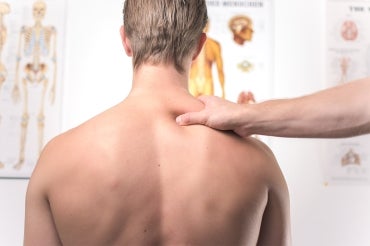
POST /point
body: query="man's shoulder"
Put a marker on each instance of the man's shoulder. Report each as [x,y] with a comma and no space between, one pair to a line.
[60,148]
[79,144]
[247,145]
[82,134]
[248,161]
[249,154]
[64,157]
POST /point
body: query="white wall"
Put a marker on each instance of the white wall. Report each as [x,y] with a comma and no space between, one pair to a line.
[94,80]
[321,216]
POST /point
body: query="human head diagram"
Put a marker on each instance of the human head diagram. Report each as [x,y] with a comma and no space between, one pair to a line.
[164,31]
[242,28]
[349,30]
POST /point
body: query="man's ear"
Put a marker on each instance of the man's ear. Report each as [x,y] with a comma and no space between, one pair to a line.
[201,42]
[126,42]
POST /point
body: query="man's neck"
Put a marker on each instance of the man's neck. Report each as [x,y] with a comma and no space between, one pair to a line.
[165,88]
[159,78]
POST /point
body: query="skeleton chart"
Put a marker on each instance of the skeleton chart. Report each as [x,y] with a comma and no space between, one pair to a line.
[348,59]
[31,52]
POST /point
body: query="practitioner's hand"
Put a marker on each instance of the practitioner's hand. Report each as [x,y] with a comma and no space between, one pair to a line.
[217,113]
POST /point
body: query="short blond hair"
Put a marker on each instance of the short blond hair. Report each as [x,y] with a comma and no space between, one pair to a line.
[164,31]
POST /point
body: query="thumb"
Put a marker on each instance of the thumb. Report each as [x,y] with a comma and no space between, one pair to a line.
[191,118]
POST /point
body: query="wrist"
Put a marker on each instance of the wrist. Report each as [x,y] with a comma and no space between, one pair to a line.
[245,118]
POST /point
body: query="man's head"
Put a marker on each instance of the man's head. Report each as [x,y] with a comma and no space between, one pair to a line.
[163,31]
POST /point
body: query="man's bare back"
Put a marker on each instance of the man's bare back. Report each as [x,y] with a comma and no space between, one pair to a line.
[132,176]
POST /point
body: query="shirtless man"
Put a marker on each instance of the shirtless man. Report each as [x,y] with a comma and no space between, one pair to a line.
[132,176]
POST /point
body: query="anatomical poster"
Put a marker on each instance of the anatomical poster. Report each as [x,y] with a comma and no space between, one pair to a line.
[31,65]
[348,59]
[236,61]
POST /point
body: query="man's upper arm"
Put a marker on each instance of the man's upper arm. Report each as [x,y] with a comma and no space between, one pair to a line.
[39,223]
[275,226]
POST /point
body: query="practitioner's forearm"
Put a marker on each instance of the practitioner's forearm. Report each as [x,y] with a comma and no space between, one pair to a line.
[272,118]
[337,112]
